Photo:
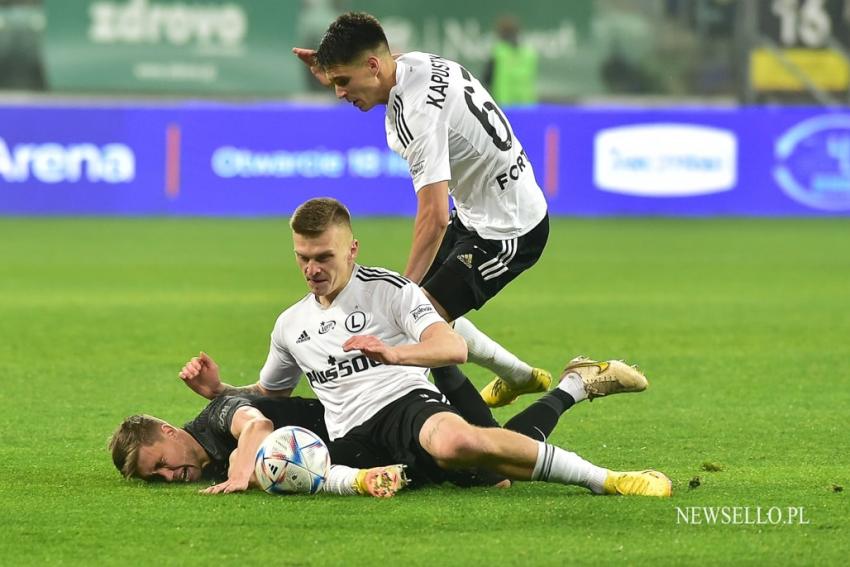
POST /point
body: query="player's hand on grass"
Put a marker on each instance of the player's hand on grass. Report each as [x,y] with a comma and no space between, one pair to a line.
[308,57]
[201,375]
[228,486]
[373,347]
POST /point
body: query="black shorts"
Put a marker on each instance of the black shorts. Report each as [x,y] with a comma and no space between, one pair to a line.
[392,437]
[469,270]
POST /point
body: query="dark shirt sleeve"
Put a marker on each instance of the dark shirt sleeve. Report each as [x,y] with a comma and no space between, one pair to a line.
[222,411]
[211,429]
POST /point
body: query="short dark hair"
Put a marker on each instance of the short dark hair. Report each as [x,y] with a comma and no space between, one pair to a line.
[315,216]
[348,37]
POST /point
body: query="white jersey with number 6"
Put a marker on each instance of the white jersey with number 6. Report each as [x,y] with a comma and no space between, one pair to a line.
[446,125]
[307,339]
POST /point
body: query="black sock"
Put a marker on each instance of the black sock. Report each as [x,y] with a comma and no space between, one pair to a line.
[448,378]
[462,395]
[540,418]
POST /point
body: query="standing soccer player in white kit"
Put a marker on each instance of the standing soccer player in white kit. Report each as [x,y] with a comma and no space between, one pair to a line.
[456,142]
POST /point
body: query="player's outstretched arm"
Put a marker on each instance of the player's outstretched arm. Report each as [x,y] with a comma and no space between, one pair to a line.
[432,219]
[250,427]
[438,346]
[308,57]
[201,374]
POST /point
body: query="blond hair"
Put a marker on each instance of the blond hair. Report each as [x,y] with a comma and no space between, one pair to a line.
[134,432]
[315,216]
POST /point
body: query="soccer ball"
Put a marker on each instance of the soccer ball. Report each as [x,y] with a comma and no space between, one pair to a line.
[292,460]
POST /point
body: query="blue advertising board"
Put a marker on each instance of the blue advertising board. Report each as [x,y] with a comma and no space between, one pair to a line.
[265,159]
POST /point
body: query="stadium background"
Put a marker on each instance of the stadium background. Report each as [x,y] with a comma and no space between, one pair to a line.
[137,135]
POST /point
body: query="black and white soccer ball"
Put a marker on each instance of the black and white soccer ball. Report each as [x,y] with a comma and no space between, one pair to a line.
[292,460]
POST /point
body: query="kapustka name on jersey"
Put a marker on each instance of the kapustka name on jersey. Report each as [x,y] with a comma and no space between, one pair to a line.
[341,369]
[439,82]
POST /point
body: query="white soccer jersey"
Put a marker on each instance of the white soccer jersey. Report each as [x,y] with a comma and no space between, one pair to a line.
[307,339]
[446,125]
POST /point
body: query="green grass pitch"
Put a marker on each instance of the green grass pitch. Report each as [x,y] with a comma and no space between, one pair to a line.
[742,326]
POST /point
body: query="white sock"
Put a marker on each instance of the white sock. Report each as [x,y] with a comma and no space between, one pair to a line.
[486,352]
[557,465]
[573,385]
[340,480]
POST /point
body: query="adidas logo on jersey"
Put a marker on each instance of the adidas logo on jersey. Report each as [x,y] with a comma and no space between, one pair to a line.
[466,260]
[302,338]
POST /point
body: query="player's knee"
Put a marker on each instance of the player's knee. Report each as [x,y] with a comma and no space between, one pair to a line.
[459,447]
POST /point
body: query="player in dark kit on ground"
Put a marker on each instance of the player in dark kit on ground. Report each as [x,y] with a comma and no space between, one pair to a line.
[221,442]
[456,142]
[212,426]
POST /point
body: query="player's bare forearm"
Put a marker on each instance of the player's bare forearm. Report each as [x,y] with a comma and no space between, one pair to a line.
[249,426]
[250,438]
[252,389]
[432,219]
[228,390]
[427,236]
[438,346]
[201,374]
[212,392]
